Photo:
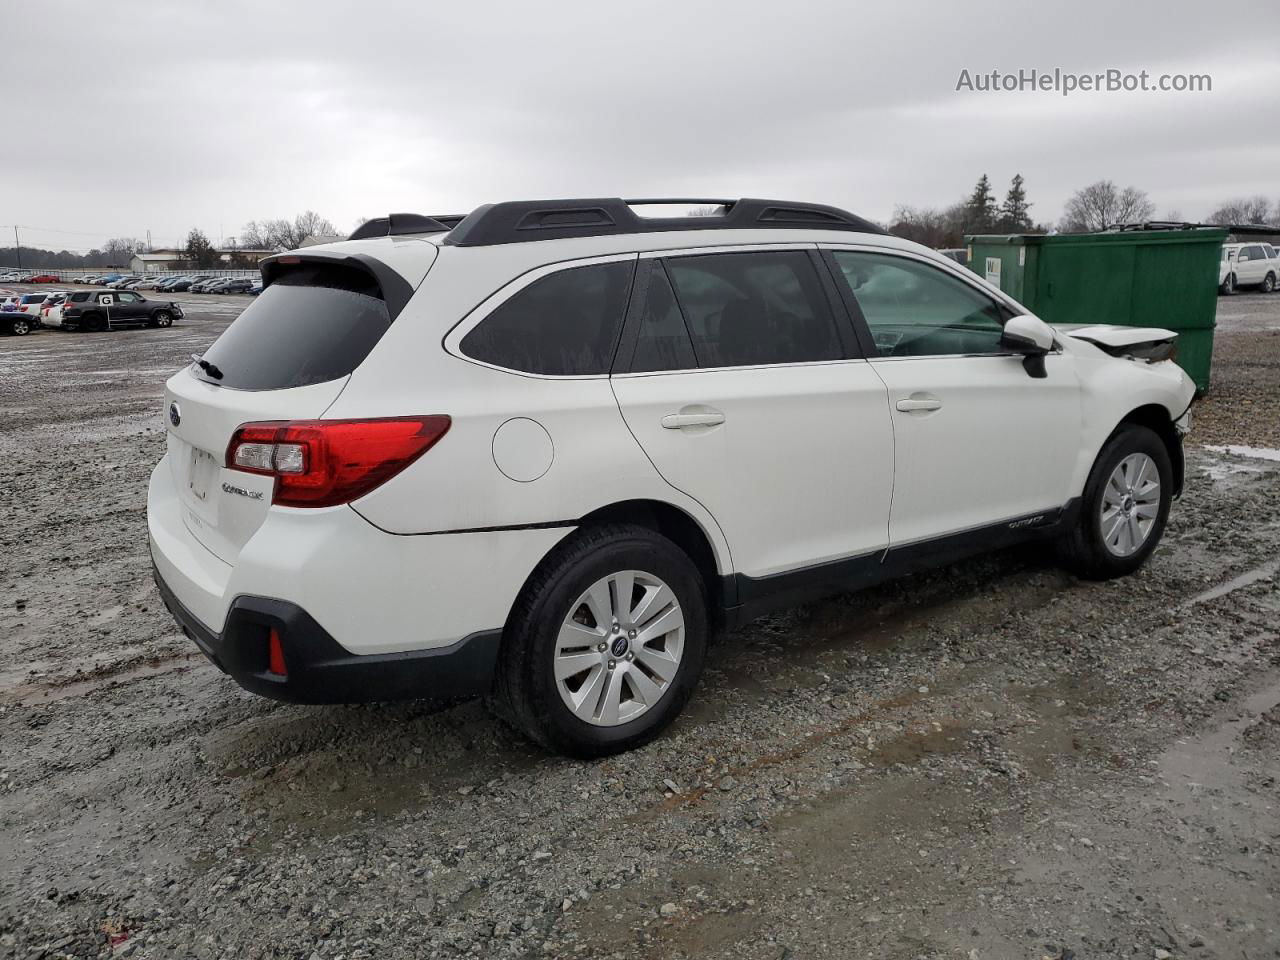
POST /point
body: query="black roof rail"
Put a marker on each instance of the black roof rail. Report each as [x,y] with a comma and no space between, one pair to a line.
[399,224]
[518,221]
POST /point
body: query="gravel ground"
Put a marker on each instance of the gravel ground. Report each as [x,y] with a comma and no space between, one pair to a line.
[991,760]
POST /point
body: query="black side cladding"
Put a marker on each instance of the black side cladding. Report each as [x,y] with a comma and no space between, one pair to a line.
[519,221]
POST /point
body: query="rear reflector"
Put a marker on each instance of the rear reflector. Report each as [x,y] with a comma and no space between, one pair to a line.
[323,463]
[275,655]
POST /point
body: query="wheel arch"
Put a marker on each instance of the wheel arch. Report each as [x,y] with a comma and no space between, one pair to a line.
[1156,418]
[678,526]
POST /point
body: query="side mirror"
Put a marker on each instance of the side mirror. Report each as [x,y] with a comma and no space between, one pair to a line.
[1031,337]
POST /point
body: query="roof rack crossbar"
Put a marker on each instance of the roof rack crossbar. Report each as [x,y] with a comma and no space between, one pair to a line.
[518,221]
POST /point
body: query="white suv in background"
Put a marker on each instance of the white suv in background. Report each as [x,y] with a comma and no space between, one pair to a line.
[539,453]
[1248,265]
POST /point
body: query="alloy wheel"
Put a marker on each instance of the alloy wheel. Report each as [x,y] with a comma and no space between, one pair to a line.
[1130,504]
[619,649]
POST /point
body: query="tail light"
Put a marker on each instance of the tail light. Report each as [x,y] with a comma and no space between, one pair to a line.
[322,463]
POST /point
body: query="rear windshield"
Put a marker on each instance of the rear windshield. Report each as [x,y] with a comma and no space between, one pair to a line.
[314,324]
[34,298]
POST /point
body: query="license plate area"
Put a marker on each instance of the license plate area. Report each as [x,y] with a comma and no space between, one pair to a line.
[201,475]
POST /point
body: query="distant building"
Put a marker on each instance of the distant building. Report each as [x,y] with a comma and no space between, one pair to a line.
[166,261]
[157,261]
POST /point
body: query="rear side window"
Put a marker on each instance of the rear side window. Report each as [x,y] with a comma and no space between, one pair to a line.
[314,324]
[80,296]
[754,308]
[664,342]
[564,325]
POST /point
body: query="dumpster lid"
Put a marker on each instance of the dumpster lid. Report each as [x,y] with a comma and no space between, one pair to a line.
[1132,234]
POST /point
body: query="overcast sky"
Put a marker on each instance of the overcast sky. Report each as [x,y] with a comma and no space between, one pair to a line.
[127,117]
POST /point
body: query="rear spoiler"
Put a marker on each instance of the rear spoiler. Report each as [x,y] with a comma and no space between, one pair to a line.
[393,288]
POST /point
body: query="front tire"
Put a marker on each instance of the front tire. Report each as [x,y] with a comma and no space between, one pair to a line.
[1124,508]
[20,327]
[162,318]
[605,644]
[1228,286]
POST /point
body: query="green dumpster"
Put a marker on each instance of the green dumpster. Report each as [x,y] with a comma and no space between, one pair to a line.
[1139,278]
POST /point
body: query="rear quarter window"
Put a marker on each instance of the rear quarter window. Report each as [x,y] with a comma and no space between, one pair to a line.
[314,324]
[565,324]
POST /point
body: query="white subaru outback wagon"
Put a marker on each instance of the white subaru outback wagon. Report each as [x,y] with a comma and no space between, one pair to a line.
[538,453]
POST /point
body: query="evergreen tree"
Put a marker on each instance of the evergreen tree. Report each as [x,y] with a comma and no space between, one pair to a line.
[1015,211]
[199,250]
[980,209]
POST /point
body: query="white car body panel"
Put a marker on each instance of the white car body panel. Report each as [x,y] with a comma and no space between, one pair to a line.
[1117,336]
[981,457]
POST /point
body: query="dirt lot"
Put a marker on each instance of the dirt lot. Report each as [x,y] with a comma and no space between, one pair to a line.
[993,760]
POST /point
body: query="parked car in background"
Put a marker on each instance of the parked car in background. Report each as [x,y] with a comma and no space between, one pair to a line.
[105,279]
[44,278]
[101,311]
[203,284]
[180,285]
[29,303]
[119,282]
[256,288]
[154,283]
[9,304]
[51,310]
[237,285]
[8,278]
[563,447]
[18,323]
[1248,265]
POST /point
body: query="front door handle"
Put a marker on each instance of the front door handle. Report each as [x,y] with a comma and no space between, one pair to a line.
[912,406]
[678,421]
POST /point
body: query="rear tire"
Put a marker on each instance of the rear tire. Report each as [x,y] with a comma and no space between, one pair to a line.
[1122,516]
[556,648]
[94,323]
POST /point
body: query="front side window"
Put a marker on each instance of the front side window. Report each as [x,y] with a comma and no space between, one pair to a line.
[916,310]
[127,297]
[565,324]
[744,309]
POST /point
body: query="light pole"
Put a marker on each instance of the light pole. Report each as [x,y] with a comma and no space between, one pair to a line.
[17,247]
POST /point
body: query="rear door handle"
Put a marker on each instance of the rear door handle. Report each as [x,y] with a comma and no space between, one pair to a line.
[912,406]
[678,421]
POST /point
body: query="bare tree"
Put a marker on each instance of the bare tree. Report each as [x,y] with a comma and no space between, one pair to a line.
[1103,204]
[1243,210]
[120,250]
[940,229]
[285,234]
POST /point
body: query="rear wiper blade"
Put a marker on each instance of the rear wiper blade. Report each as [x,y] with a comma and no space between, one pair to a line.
[209,368]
